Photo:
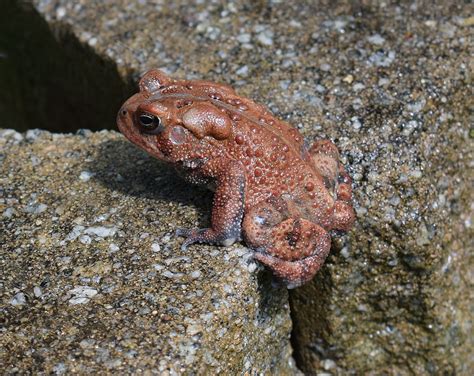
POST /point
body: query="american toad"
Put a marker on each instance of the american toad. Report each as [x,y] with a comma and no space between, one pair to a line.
[273,190]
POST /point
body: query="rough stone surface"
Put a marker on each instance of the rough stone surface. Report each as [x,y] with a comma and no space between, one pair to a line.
[396,296]
[93,279]
[391,83]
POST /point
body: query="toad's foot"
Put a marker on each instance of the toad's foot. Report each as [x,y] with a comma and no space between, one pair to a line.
[291,273]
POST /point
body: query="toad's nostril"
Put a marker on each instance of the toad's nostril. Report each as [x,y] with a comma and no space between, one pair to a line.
[123,112]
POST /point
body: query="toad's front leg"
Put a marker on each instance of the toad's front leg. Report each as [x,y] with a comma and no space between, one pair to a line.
[227,208]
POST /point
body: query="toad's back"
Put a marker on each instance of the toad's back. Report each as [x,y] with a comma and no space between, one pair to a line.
[273,153]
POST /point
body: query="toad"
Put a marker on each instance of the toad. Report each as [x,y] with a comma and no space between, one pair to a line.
[273,190]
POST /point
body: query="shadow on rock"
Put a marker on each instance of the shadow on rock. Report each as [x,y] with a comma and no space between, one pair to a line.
[122,167]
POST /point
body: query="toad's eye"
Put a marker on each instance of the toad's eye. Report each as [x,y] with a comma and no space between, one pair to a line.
[149,121]
[151,124]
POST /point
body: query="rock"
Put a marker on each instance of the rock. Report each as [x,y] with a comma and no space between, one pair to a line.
[197,312]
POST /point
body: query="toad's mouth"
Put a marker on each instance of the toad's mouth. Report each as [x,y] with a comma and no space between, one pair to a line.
[142,141]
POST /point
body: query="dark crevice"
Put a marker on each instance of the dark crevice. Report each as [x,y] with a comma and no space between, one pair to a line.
[50,80]
[313,297]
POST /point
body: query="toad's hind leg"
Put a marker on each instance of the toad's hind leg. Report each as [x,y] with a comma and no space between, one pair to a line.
[294,249]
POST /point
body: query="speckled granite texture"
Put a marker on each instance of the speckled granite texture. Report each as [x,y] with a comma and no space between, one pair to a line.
[93,279]
[389,82]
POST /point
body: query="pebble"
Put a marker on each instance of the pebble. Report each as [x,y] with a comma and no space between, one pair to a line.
[194,329]
[360,211]
[284,84]
[328,364]
[320,89]
[244,38]
[213,32]
[84,132]
[82,294]
[376,39]
[416,173]
[85,175]
[36,208]
[101,231]
[382,59]
[417,106]
[358,86]
[355,122]
[33,134]
[409,127]
[155,247]
[165,239]
[75,233]
[325,67]
[345,252]
[85,239]
[423,235]
[243,71]
[11,134]
[252,267]
[60,369]
[18,300]
[172,275]
[35,161]
[60,12]
[195,274]
[349,78]
[8,212]
[265,37]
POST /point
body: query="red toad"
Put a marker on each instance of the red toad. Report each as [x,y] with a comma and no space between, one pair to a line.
[281,196]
